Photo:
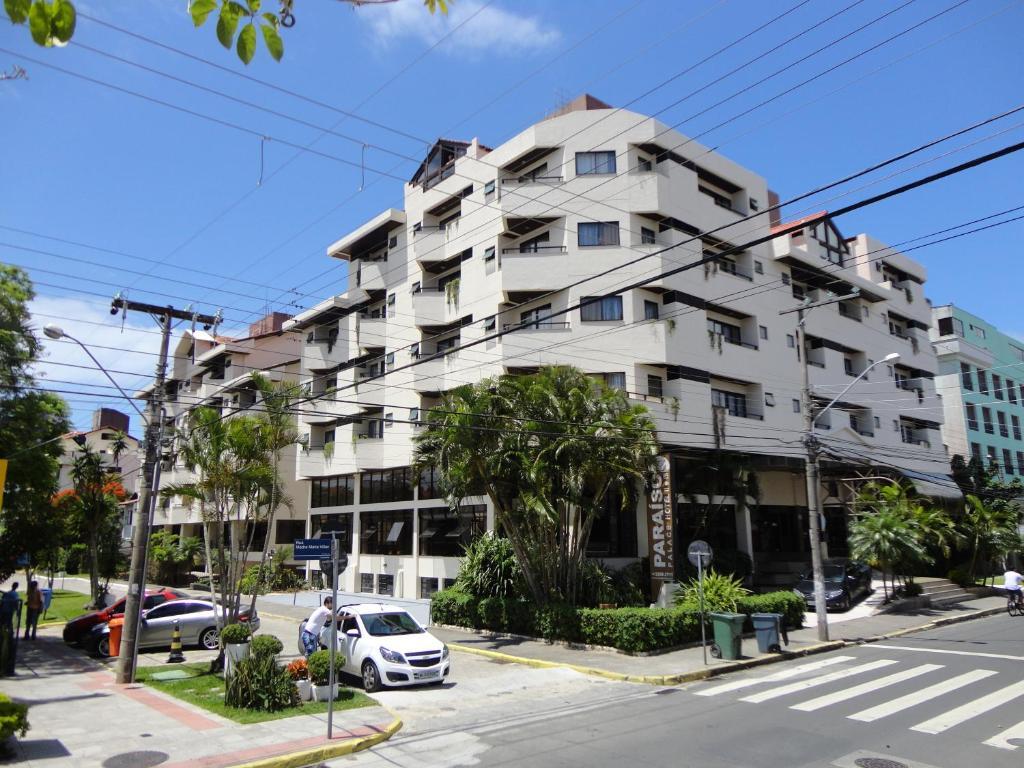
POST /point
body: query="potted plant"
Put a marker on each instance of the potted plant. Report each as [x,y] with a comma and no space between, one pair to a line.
[319,664]
[235,638]
[299,672]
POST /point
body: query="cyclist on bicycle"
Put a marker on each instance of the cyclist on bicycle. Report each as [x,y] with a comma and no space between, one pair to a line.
[1012,583]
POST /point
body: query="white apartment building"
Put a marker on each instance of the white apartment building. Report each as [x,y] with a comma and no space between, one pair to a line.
[500,238]
[216,372]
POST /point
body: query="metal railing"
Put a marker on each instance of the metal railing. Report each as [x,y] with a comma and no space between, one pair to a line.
[534,249]
[530,325]
[532,180]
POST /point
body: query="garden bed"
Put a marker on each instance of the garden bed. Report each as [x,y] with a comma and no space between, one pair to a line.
[206,690]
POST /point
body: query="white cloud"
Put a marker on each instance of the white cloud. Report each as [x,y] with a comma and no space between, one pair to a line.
[494,29]
[56,366]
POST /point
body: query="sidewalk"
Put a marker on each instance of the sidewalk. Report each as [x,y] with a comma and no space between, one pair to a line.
[688,663]
[80,717]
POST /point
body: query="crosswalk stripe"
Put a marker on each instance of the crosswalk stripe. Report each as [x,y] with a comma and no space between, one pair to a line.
[1002,740]
[801,685]
[858,690]
[979,706]
[785,674]
[919,697]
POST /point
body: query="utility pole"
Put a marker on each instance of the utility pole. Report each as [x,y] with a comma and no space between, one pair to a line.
[151,483]
[813,472]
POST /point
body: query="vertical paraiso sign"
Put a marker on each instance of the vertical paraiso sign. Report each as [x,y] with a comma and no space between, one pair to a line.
[660,535]
[3,481]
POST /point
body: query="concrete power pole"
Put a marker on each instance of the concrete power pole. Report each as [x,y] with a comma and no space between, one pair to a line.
[151,484]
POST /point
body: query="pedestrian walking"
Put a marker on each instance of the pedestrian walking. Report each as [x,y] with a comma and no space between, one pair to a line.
[10,604]
[33,607]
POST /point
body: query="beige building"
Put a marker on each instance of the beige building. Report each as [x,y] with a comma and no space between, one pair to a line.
[571,209]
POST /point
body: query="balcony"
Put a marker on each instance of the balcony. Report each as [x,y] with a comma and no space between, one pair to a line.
[430,307]
[320,354]
[372,331]
[370,275]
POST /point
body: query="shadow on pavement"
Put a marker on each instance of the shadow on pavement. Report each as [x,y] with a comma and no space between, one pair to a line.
[39,749]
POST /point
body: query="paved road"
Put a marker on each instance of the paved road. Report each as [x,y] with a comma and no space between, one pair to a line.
[948,698]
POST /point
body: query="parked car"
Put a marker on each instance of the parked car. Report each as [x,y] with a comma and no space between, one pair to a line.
[385,646]
[845,581]
[78,628]
[196,618]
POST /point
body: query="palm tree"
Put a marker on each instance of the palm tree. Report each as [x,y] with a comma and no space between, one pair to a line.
[991,531]
[885,539]
[548,449]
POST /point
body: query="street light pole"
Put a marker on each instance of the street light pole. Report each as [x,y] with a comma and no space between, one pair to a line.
[813,449]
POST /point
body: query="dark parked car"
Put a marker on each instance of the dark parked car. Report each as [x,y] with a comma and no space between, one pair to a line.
[197,620]
[77,628]
[845,581]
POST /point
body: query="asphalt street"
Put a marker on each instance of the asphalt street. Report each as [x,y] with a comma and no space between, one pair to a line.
[948,698]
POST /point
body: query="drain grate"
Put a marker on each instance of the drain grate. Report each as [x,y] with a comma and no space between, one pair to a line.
[141,759]
[878,762]
[663,691]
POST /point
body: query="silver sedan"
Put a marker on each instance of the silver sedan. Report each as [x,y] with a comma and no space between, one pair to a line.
[196,619]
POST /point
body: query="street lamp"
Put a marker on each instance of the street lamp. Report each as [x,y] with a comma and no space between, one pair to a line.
[56,332]
[813,476]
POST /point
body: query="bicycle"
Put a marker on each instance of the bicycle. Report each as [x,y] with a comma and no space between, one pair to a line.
[1015,602]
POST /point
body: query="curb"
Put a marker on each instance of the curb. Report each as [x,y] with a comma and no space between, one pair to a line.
[327,752]
[708,672]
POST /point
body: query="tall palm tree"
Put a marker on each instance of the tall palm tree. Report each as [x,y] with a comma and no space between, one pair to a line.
[991,531]
[548,449]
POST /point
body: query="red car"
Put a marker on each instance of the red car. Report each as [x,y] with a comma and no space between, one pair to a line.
[76,630]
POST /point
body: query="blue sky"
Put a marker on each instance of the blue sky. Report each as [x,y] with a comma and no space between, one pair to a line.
[114,171]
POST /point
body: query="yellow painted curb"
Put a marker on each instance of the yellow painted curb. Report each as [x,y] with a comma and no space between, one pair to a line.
[684,677]
[327,752]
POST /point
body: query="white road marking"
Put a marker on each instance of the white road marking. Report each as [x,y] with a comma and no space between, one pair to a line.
[785,674]
[1002,740]
[919,697]
[951,653]
[858,690]
[801,685]
[979,706]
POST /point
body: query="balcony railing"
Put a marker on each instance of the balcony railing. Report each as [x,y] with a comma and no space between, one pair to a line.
[530,325]
[532,180]
[815,363]
[535,249]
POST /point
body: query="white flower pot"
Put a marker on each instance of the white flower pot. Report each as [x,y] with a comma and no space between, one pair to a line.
[323,692]
[234,653]
[305,689]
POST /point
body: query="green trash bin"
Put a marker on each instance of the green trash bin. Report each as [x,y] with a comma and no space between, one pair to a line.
[728,635]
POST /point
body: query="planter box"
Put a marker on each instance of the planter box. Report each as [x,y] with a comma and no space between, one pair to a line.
[305,689]
[233,654]
[323,692]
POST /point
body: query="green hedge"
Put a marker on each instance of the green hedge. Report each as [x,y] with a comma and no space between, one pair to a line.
[633,630]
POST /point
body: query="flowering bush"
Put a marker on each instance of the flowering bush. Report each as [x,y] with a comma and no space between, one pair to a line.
[298,669]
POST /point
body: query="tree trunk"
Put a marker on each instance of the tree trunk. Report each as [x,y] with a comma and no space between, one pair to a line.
[94,570]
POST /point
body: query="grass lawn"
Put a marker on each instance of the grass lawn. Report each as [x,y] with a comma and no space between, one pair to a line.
[66,605]
[988,580]
[206,690]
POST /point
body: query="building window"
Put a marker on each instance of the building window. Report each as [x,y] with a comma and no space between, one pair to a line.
[785,278]
[1015,424]
[647,236]
[488,190]
[414,415]
[769,399]
[644,164]
[728,332]
[878,422]
[428,586]
[366,582]
[614,380]
[590,233]
[591,163]
[972,417]
[389,360]
[734,403]
[754,205]
[385,584]
[655,386]
[447,533]
[489,254]
[966,380]
[534,244]
[1020,462]
[790,341]
[388,532]
[650,310]
[796,405]
[1007,462]
[340,525]
[490,323]
[429,484]
[986,417]
[979,331]
[976,451]
[601,308]
[1011,391]
[848,366]
[288,531]
[763,332]
[385,485]
[531,318]
[997,386]
[948,326]
[759,267]
[1017,352]
[334,491]
[983,381]
[1001,418]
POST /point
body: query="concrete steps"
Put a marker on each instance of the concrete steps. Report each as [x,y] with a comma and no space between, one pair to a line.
[943,592]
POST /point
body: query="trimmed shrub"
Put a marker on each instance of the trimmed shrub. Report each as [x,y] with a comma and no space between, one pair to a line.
[961,577]
[912,589]
[319,664]
[235,634]
[558,621]
[13,718]
[266,645]
[636,630]
[450,606]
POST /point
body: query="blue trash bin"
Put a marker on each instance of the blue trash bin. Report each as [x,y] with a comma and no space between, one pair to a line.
[47,598]
[768,628]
